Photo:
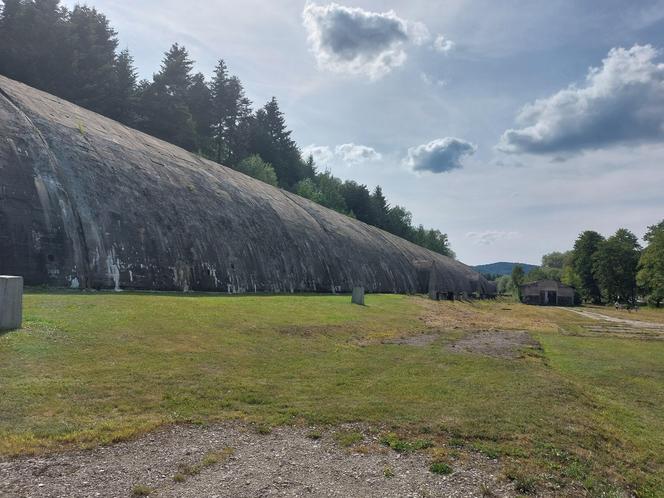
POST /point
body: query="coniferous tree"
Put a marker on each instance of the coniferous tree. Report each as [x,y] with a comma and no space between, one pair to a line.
[125,90]
[33,44]
[380,207]
[238,122]
[91,76]
[199,100]
[271,139]
[163,103]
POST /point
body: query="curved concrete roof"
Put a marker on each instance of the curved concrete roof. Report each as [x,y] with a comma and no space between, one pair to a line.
[86,201]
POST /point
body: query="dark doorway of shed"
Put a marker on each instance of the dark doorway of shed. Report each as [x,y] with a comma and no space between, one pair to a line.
[548,298]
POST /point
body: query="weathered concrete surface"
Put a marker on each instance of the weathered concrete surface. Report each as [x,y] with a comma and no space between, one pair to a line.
[358,296]
[88,202]
[11,302]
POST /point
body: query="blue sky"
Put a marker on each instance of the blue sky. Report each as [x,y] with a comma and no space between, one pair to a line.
[510,125]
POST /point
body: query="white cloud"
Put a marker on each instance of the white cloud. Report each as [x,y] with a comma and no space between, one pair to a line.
[431,81]
[322,154]
[349,154]
[489,237]
[621,102]
[441,155]
[356,41]
[354,154]
[443,45]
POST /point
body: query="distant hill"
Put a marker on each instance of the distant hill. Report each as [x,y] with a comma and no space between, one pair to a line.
[502,268]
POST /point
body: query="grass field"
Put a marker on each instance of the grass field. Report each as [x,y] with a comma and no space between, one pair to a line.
[585,413]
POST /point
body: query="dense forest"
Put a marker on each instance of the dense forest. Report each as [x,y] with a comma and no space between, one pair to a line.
[74,54]
[603,269]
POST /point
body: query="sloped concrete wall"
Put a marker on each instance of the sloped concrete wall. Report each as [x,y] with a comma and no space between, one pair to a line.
[88,202]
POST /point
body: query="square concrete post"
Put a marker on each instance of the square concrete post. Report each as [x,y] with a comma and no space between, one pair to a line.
[358,296]
[11,302]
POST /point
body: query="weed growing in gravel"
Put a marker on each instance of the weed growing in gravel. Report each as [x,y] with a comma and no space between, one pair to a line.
[486,491]
[141,490]
[388,472]
[264,429]
[209,459]
[522,483]
[440,468]
[348,438]
[315,435]
[403,446]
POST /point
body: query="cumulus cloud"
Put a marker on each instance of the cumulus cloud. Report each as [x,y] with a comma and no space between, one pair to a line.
[438,156]
[349,153]
[443,45]
[356,41]
[353,154]
[322,154]
[489,237]
[621,102]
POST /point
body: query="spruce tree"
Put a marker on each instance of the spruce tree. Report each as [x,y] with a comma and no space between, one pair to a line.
[124,92]
[164,106]
[91,75]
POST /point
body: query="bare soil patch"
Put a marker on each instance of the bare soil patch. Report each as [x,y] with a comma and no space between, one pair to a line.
[286,462]
[414,340]
[496,343]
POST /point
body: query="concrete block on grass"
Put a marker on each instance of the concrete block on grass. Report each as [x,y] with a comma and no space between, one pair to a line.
[11,302]
[358,296]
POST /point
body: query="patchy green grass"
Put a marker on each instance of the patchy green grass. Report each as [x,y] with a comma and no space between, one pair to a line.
[209,459]
[141,490]
[90,369]
[347,439]
[440,468]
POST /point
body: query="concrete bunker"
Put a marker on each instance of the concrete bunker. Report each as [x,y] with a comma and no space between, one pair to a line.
[113,208]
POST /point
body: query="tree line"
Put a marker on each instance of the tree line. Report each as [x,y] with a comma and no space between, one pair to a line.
[604,269]
[74,54]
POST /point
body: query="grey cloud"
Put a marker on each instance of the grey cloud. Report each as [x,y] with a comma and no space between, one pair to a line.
[621,102]
[439,156]
[356,41]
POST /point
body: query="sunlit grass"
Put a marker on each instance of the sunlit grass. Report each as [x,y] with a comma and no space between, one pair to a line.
[90,369]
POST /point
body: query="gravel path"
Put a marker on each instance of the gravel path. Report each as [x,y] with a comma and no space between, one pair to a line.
[285,462]
[606,318]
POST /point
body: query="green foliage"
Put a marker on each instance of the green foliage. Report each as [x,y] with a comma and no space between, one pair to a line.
[615,266]
[518,278]
[583,257]
[404,446]
[440,468]
[141,490]
[348,438]
[255,167]
[650,276]
[543,273]
[505,285]
[555,260]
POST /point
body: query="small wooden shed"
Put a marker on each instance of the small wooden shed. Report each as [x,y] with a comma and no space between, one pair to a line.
[547,293]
